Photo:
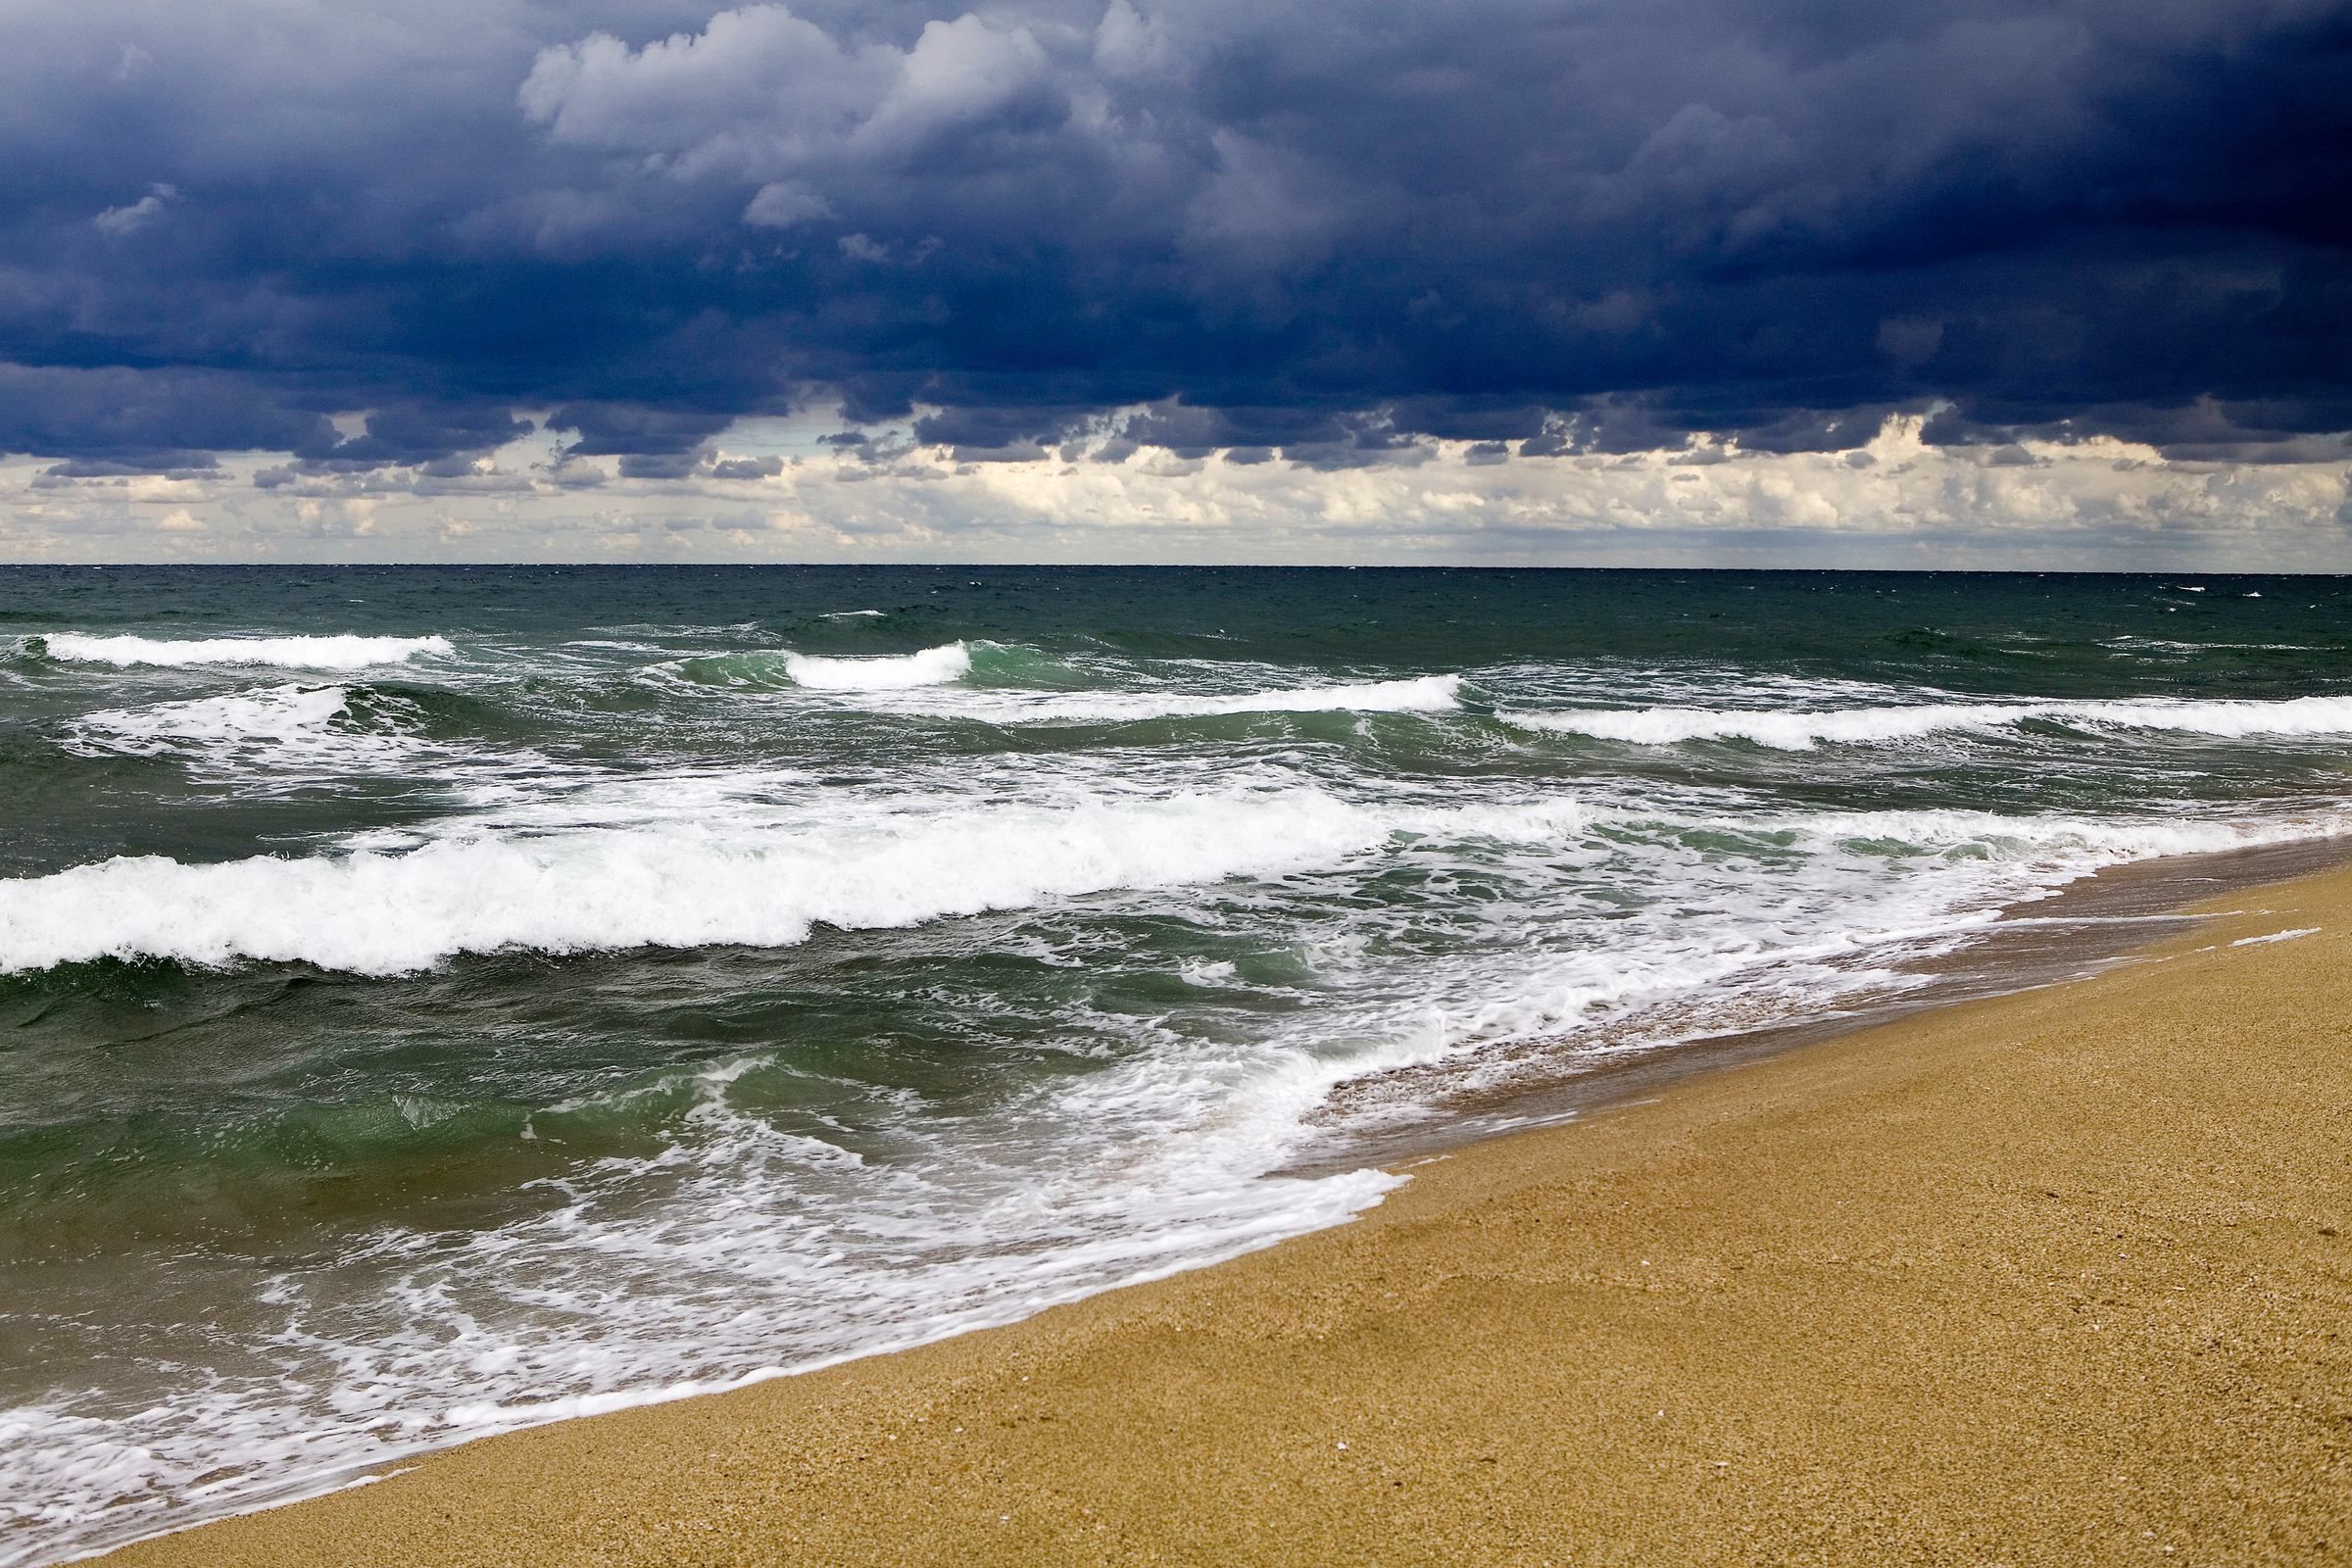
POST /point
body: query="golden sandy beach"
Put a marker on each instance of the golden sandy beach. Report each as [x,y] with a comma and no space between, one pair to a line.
[2063,1278]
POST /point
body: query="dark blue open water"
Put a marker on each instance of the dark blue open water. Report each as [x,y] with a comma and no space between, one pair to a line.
[437,999]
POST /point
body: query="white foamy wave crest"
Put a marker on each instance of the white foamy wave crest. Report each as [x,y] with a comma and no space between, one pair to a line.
[281,715]
[1784,731]
[2297,715]
[672,886]
[933,667]
[1426,694]
[2072,846]
[286,730]
[1803,730]
[344,652]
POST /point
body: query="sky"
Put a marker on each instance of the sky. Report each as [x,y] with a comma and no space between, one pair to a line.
[1606,282]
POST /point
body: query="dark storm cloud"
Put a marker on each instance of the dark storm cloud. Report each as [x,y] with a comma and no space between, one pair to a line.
[112,420]
[647,430]
[411,433]
[1321,228]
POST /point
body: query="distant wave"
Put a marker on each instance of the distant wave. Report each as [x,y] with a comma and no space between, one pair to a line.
[933,667]
[1021,686]
[1787,731]
[342,651]
[1421,695]
[1803,730]
[669,886]
[879,672]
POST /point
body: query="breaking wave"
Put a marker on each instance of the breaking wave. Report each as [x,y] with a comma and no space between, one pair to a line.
[1000,683]
[933,667]
[879,672]
[1426,694]
[1803,730]
[678,885]
[674,886]
[278,715]
[341,652]
[271,733]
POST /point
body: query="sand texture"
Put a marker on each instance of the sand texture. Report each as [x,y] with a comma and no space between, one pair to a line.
[2064,1278]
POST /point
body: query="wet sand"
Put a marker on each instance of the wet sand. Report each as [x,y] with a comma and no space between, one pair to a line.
[2056,1278]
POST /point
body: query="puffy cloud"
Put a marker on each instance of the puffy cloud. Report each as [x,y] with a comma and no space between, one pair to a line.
[756,89]
[1894,501]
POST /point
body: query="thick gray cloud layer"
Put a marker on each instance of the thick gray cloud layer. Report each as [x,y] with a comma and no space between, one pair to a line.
[1323,230]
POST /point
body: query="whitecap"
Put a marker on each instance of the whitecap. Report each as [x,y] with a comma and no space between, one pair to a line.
[2075,846]
[1423,694]
[675,886]
[933,667]
[1783,731]
[1803,730]
[282,715]
[275,728]
[340,652]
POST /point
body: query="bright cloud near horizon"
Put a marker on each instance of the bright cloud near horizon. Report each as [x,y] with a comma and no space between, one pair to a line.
[1684,283]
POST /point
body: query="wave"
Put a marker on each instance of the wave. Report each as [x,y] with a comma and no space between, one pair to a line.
[328,730]
[340,652]
[675,884]
[2286,718]
[2078,845]
[672,886]
[1421,695]
[1001,683]
[879,672]
[281,715]
[933,667]
[2294,717]
[1783,731]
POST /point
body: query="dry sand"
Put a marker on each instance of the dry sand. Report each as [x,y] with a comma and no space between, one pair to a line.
[2064,1278]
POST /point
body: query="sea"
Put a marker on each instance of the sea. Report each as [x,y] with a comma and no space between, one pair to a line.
[435,1001]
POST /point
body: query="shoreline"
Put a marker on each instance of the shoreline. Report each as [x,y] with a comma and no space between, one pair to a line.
[1910,1368]
[2070,934]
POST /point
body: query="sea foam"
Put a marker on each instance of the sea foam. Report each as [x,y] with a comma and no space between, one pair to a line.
[1424,694]
[270,735]
[294,715]
[933,667]
[677,885]
[1801,731]
[683,885]
[341,652]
